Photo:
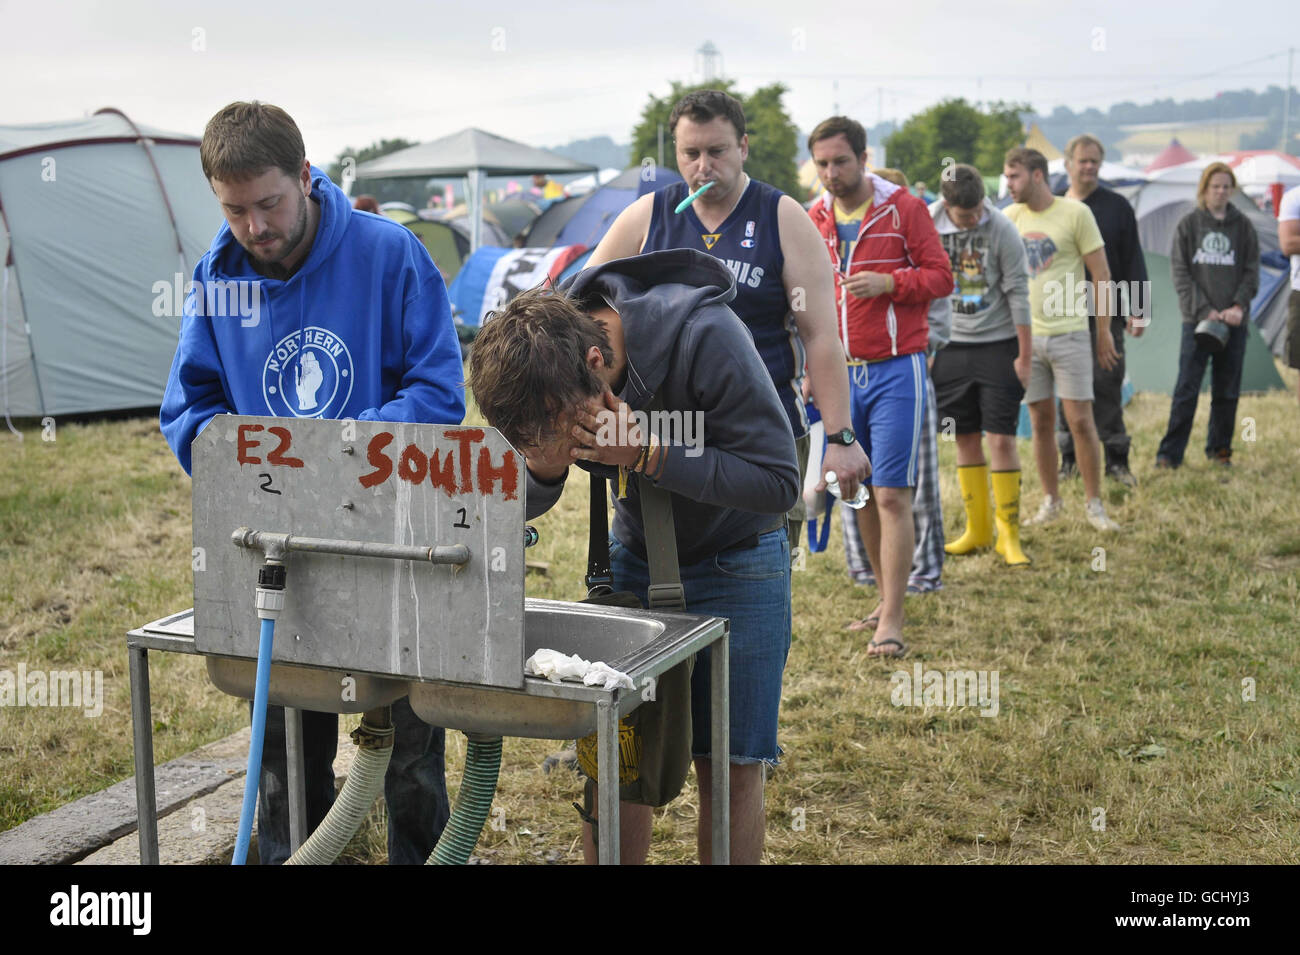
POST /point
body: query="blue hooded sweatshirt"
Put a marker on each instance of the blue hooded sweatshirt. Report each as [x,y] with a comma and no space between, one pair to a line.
[362,330]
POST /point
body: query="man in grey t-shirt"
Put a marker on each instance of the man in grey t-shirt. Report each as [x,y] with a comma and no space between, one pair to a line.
[980,377]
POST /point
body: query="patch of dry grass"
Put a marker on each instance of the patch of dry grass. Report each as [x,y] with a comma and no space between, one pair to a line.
[1120,689]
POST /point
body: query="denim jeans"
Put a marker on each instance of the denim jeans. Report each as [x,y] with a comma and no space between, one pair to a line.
[1225,386]
[751,587]
[415,787]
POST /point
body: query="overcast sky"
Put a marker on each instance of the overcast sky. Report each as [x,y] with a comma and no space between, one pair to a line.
[351,73]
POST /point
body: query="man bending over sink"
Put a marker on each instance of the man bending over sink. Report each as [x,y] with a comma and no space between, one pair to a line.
[560,374]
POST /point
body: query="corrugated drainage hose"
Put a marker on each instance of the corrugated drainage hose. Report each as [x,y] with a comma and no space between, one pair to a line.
[473,802]
[374,738]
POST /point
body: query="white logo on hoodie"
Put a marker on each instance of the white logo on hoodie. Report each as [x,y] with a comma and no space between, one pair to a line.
[308,375]
[1216,249]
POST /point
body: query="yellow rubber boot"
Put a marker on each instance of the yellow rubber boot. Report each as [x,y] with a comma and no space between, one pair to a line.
[974,481]
[1006,493]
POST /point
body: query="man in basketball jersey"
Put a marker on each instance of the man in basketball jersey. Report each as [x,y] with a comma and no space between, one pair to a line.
[785,296]
[784,292]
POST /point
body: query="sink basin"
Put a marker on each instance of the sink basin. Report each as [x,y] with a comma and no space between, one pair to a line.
[306,688]
[642,644]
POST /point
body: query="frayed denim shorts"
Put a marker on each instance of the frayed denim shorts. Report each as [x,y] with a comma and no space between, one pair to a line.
[751,587]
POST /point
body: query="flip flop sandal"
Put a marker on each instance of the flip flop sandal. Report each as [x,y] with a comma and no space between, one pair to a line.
[866,623]
[899,652]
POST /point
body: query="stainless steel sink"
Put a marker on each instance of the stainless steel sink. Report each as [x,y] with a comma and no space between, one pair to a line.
[306,688]
[642,644]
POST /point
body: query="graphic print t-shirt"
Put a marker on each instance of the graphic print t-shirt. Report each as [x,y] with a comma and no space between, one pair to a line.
[848,225]
[968,252]
[1056,240]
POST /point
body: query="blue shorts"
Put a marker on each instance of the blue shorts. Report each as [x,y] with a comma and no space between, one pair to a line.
[751,587]
[887,405]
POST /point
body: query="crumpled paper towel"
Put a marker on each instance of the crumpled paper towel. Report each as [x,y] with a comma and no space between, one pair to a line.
[557,666]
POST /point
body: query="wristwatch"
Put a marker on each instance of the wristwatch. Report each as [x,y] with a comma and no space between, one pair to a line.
[845,437]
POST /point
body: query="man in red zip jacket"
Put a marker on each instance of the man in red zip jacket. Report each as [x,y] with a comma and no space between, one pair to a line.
[889,265]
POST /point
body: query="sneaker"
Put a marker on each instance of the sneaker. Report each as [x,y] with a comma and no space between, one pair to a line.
[1222,457]
[1164,464]
[1069,468]
[1048,511]
[1118,471]
[1096,513]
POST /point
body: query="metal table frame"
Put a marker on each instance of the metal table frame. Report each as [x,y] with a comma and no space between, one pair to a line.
[610,706]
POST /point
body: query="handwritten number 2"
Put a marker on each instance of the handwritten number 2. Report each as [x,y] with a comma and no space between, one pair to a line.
[266,484]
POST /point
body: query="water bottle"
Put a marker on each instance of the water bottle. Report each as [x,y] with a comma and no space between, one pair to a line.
[859,499]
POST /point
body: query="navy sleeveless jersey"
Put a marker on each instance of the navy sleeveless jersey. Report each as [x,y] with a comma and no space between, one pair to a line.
[749,244]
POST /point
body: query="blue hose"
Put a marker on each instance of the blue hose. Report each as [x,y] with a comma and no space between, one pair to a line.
[255,743]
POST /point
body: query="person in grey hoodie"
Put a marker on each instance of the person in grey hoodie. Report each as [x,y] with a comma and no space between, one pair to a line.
[980,377]
[560,374]
[1215,261]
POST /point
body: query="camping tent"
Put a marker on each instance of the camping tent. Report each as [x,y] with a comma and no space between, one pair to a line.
[590,223]
[1035,139]
[447,245]
[492,276]
[103,222]
[1152,360]
[1175,154]
[472,153]
[571,222]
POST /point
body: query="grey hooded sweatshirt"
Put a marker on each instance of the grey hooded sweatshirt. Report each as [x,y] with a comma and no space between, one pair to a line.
[1215,263]
[684,344]
[990,295]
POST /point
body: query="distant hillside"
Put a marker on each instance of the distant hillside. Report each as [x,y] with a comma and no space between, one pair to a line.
[599,150]
[1235,119]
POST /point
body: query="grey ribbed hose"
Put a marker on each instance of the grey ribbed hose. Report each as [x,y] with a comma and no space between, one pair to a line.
[477,787]
[363,784]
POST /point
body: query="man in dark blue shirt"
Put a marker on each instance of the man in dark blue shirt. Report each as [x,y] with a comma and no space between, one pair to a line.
[1130,308]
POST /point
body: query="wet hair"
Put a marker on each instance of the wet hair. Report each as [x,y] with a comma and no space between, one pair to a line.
[529,364]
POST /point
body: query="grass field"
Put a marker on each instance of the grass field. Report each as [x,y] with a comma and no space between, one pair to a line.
[1122,673]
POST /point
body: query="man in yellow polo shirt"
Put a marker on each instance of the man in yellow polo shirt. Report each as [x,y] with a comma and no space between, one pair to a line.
[1061,238]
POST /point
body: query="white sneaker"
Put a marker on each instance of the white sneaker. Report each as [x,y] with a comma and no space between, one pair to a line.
[1097,516]
[1048,511]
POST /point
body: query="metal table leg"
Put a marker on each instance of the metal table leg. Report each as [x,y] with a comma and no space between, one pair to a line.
[297,777]
[608,828]
[146,802]
[720,745]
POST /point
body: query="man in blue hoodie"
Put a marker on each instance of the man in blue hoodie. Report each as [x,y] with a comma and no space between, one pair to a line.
[341,314]
[549,370]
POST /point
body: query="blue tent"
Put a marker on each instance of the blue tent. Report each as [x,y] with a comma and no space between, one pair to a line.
[590,223]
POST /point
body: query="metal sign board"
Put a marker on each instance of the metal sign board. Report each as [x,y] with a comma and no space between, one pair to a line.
[364,482]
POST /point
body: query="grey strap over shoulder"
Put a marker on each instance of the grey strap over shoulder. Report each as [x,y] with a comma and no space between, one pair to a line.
[665,591]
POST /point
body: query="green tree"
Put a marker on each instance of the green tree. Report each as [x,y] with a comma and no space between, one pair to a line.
[954,131]
[773,138]
[413,191]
